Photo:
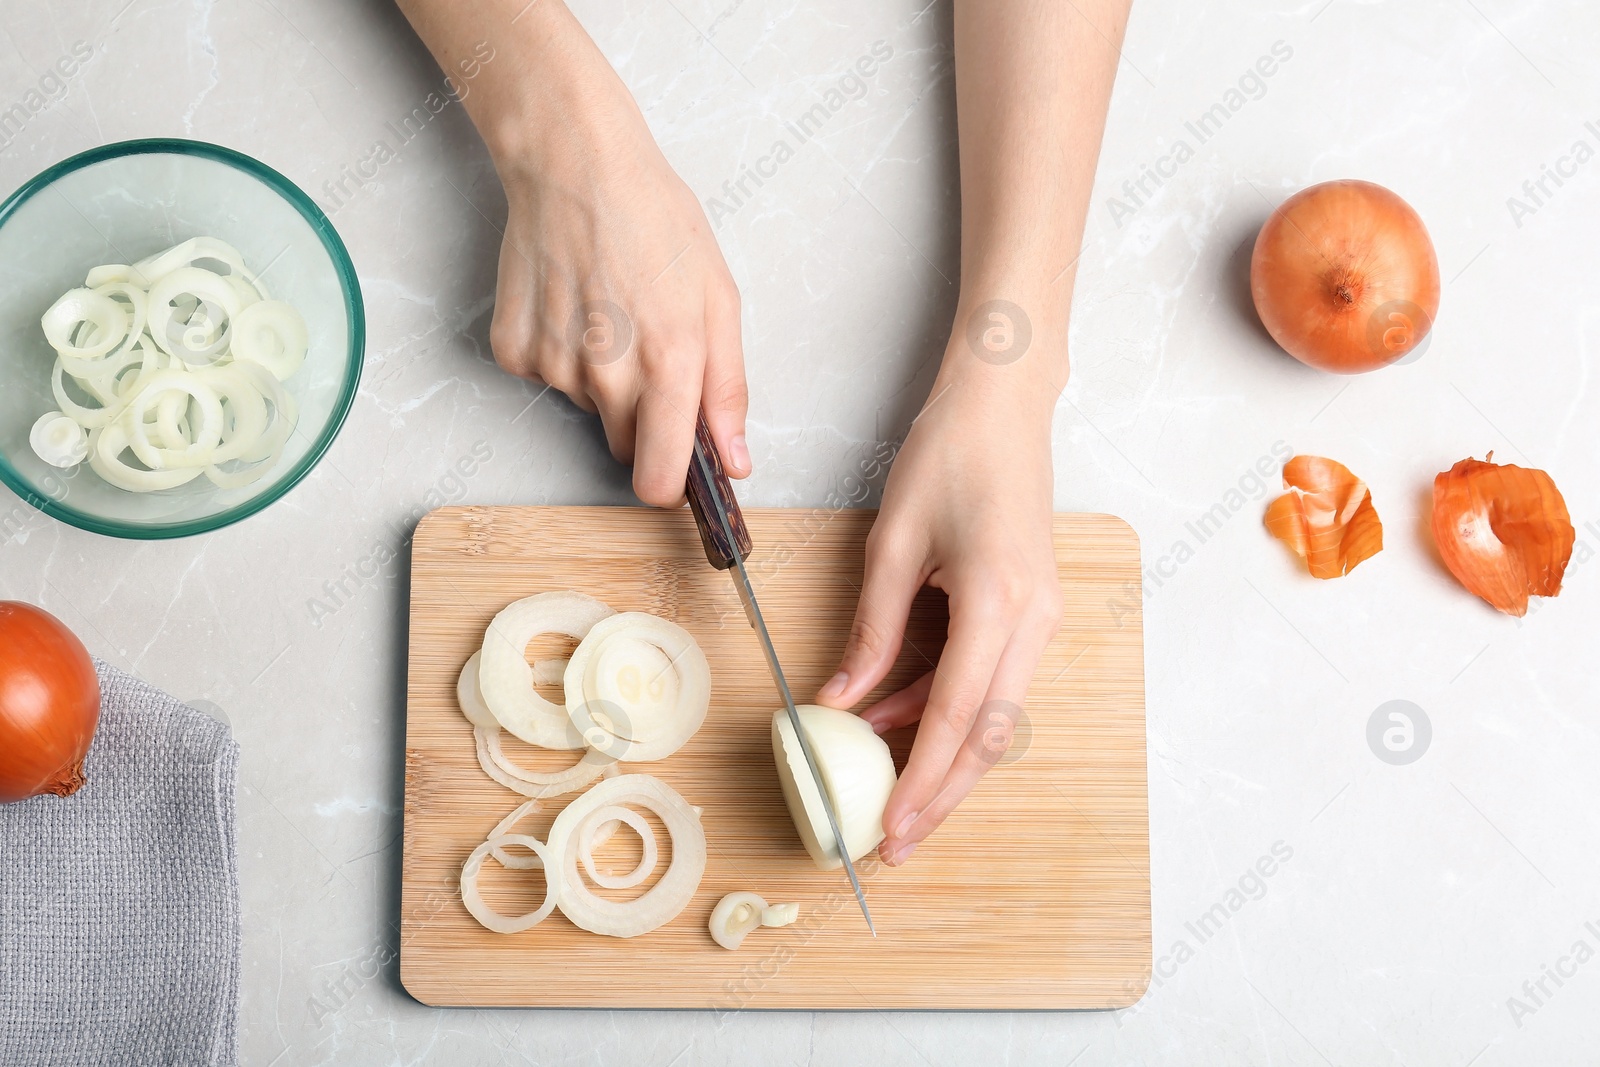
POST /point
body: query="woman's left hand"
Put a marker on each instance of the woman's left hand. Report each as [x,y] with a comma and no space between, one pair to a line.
[967,509]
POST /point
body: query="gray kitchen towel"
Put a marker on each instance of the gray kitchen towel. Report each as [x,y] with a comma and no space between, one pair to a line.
[119,905]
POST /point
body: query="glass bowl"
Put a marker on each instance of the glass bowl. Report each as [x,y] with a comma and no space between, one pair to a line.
[118,204]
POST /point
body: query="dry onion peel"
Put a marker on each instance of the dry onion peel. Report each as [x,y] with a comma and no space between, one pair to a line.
[1326,517]
[506,681]
[662,902]
[1503,531]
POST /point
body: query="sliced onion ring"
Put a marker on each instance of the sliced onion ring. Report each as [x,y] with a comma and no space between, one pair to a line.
[85,308]
[538,784]
[637,730]
[588,837]
[662,902]
[473,899]
[106,446]
[211,289]
[506,681]
[272,334]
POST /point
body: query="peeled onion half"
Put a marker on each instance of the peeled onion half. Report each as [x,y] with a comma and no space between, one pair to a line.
[857,770]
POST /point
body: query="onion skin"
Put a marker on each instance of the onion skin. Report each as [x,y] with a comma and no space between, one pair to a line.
[49,704]
[1503,531]
[1326,518]
[1344,277]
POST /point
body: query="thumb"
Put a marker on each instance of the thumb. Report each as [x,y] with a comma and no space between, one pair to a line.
[725,397]
[892,579]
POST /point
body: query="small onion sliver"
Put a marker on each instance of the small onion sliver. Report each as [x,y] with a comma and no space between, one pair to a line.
[662,902]
[734,917]
[59,440]
[506,681]
[779,914]
[479,908]
[529,862]
[589,836]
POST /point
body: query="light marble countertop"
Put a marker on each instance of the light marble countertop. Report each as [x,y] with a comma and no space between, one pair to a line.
[1417,899]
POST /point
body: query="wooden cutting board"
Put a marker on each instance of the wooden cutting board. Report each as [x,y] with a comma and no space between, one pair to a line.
[1034,894]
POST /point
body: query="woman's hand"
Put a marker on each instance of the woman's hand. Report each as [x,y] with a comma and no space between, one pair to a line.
[612,288]
[967,509]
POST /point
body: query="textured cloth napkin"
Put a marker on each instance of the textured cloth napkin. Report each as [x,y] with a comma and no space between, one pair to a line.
[119,905]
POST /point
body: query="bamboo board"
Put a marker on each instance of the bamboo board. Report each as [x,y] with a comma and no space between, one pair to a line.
[1034,894]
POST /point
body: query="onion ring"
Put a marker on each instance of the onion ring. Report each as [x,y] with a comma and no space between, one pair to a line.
[212,290]
[473,899]
[662,902]
[588,836]
[106,446]
[506,681]
[538,784]
[622,716]
[85,307]
[272,334]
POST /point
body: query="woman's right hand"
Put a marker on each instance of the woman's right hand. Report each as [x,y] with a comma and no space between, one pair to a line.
[612,288]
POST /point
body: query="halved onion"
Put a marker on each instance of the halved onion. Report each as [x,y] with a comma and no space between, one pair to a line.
[638,686]
[1503,530]
[505,680]
[1326,517]
[662,902]
[856,768]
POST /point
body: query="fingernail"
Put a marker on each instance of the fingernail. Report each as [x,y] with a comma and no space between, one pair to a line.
[904,826]
[878,727]
[835,686]
[741,452]
[901,854]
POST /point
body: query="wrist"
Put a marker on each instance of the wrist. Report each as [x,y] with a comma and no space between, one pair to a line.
[554,100]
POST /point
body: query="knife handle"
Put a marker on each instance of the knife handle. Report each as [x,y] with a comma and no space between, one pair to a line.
[704,493]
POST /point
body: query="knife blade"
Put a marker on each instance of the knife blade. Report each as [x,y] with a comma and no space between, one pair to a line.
[727,542]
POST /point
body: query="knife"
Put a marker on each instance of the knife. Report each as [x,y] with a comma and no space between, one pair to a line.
[727,543]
